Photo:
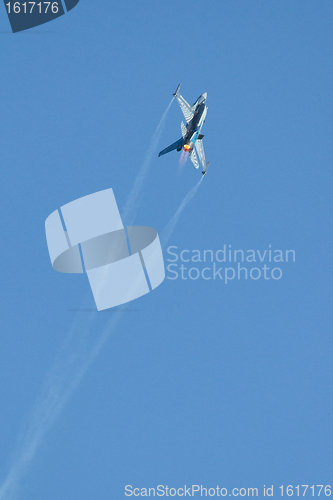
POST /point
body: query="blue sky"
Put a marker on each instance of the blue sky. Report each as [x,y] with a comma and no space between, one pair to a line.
[199,382]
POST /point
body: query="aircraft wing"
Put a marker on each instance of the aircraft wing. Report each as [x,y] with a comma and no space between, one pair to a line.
[200,150]
[194,159]
[185,107]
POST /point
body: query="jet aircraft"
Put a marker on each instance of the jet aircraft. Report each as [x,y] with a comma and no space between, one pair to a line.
[195,116]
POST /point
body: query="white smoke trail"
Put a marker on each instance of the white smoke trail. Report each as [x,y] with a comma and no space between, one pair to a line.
[64,377]
[169,228]
[70,366]
[131,206]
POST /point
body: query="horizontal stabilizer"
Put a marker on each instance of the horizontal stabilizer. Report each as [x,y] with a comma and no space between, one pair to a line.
[176,145]
[184,129]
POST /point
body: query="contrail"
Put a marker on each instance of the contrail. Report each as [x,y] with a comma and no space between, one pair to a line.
[131,206]
[74,359]
[169,228]
[76,355]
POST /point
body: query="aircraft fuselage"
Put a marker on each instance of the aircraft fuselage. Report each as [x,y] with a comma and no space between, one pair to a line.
[194,126]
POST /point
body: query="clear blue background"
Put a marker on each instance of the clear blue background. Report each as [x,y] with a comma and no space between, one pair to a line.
[203,383]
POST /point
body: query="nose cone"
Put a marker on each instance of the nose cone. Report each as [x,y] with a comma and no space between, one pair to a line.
[204,95]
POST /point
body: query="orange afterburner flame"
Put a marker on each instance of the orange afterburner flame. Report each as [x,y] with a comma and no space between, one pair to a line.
[183,158]
[186,147]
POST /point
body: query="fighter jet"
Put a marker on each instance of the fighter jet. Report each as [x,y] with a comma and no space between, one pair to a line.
[195,116]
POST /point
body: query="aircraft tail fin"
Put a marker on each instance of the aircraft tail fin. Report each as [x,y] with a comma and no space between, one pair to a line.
[176,145]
